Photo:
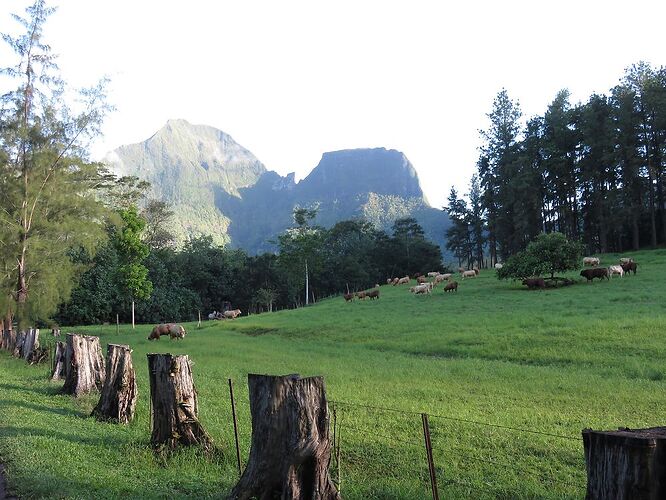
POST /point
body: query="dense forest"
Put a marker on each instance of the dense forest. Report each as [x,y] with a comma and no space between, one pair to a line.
[593,171]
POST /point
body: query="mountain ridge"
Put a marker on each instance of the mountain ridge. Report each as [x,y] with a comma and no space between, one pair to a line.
[216,186]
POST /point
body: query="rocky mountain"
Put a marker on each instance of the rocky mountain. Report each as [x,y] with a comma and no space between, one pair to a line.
[217,187]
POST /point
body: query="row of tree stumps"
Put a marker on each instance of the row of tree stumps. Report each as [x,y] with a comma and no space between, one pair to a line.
[290,452]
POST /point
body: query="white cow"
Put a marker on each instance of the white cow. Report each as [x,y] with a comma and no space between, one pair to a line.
[615,270]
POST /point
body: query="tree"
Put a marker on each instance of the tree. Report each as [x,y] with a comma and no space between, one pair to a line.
[47,207]
[549,254]
[131,253]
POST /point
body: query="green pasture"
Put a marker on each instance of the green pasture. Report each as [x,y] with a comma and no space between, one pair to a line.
[508,377]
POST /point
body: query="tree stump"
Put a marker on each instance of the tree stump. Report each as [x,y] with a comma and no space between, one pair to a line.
[8,340]
[27,343]
[626,464]
[59,361]
[174,407]
[291,448]
[84,365]
[119,393]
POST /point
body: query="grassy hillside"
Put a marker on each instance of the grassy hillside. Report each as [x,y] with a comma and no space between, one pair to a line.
[508,377]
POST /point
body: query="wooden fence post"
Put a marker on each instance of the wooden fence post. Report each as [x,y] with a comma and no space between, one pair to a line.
[431,462]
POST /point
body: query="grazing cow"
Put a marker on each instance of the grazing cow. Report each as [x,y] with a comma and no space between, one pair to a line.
[425,288]
[395,281]
[361,295]
[451,287]
[388,281]
[599,272]
[534,283]
[373,294]
[232,314]
[404,280]
[468,274]
[461,269]
[626,260]
[615,270]
[629,266]
[421,279]
[442,277]
[348,297]
[591,261]
[172,330]
[499,266]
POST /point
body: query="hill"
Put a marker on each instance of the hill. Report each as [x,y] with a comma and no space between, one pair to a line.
[508,377]
[217,187]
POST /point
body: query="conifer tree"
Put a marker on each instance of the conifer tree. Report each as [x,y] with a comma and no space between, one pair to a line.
[47,203]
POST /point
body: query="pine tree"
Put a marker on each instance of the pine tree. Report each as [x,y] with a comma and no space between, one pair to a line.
[47,200]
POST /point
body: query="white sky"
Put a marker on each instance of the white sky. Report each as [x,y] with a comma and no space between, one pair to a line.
[290,80]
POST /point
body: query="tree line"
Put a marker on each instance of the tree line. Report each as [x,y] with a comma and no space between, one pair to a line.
[204,277]
[593,171]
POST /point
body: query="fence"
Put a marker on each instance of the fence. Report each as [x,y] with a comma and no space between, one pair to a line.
[383,452]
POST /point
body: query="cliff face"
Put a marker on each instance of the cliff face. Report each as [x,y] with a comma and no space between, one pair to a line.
[217,187]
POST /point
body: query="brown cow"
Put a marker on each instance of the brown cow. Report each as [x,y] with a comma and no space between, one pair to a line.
[598,272]
[451,287]
[373,294]
[629,266]
[172,330]
[348,297]
[534,283]
[361,295]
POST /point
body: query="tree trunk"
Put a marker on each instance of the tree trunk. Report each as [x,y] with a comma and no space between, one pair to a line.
[132,314]
[626,464]
[291,449]
[59,361]
[173,398]
[119,393]
[84,365]
[8,341]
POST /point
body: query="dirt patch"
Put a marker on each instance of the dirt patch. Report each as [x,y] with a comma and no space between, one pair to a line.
[255,332]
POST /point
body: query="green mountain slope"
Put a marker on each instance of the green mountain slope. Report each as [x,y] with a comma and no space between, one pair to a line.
[217,187]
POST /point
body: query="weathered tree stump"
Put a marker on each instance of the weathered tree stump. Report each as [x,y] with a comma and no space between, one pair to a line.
[59,361]
[174,408]
[119,393]
[626,464]
[84,365]
[291,448]
[26,344]
[8,340]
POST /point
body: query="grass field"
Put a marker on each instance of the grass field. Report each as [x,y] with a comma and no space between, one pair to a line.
[508,377]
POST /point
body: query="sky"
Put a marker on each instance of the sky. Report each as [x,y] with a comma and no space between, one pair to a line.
[290,80]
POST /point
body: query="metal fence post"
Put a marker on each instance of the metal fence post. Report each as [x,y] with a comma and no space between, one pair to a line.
[233,412]
[431,463]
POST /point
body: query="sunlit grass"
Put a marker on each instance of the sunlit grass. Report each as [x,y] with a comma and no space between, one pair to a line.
[553,361]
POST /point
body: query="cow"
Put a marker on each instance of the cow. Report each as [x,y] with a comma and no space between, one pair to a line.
[232,314]
[615,270]
[469,274]
[451,287]
[591,261]
[629,266]
[172,330]
[599,272]
[534,283]
[348,297]
[373,294]
[421,279]
[626,260]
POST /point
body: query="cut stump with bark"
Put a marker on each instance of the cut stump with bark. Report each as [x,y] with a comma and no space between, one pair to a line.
[117,401]
[174,407]
[626,464]
[8,340]
[26,344]
[84,365]
[59,361]
[291,447]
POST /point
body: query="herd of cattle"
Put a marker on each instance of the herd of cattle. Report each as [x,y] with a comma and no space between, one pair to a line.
[626,266]
[425,284]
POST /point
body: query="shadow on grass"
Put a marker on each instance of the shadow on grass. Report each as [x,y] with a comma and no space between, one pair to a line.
[42,408]
[21,432]
[45,391]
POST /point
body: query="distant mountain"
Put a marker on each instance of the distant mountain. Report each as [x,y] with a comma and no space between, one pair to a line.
[217,187]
